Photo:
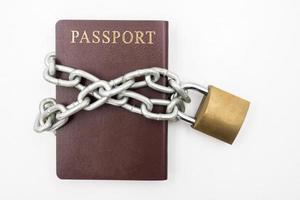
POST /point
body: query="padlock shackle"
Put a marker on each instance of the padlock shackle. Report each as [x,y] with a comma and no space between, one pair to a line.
[186,118]
[191,86]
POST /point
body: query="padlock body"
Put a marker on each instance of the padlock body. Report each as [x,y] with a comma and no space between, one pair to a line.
[221,114]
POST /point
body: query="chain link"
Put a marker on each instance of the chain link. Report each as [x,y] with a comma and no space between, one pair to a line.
[115,92]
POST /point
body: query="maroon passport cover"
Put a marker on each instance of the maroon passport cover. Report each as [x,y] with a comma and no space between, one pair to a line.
[110,142]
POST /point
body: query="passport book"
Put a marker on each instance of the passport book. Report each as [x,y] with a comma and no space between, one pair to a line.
[110,142]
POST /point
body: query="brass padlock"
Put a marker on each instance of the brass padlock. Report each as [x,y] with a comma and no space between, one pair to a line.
[220,113]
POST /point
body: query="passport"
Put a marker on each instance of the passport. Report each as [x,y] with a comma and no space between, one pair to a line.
[111,142]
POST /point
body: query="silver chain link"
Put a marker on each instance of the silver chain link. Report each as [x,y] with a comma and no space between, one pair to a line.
[116,92]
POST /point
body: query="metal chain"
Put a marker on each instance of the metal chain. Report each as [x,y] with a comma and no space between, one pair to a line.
[116,92]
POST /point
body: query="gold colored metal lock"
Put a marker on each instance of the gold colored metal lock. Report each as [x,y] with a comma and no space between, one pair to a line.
[220,113]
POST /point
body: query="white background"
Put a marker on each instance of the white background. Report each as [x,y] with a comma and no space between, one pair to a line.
[248,47]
